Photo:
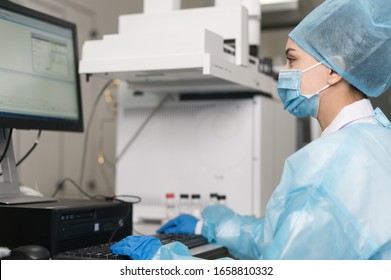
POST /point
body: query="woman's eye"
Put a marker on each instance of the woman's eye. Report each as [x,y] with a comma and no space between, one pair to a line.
[289,62]
[290,59]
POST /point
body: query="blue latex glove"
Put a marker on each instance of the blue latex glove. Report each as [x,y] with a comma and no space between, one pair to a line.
[137,247]
[183,224]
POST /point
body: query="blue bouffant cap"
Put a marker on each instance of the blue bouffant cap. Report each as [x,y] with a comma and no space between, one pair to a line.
[352,37]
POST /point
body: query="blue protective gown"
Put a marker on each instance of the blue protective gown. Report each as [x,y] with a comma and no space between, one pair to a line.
[333,202]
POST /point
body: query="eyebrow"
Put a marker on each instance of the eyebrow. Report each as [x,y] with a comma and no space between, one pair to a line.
[288,51]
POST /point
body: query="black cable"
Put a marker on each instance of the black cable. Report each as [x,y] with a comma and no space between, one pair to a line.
[83,162]
[61,184]
[115,198]
[31,149]
[126,216]
[138,199]
[107,198]
[7,145]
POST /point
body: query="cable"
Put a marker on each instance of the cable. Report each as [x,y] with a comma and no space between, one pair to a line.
[108,198]
[138,199]
[126,216]
[7,144]
[31,149]
[106,178]
[142,126]
[61,184]
[115,198]
[88,130]
[103,161]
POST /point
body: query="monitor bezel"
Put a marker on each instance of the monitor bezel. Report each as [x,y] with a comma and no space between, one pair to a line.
[60,124]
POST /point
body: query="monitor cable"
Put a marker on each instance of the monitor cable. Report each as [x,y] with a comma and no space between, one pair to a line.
[31,149]
[6,145]
[36,142]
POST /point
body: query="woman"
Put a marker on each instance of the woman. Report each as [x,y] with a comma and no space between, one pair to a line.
[334,198]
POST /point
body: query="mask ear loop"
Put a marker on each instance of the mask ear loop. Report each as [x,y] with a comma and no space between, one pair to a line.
[311,67]
[319,91]
[323,88]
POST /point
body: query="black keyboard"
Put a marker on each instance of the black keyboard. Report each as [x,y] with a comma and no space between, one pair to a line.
[190,241]
[102,252]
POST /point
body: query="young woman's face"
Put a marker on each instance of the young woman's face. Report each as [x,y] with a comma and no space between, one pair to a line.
[313,79]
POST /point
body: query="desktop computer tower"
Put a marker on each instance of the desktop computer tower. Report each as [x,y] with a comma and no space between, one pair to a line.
[64,225]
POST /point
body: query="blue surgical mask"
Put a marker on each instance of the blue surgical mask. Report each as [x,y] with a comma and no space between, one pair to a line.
[296,103]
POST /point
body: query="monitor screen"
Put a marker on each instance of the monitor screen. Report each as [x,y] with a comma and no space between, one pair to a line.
[39,84]
[39,81]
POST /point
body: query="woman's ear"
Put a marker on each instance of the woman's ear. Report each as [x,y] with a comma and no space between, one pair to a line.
[333,77]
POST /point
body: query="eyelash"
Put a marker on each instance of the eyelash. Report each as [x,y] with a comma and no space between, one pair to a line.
[289,62]
[290,59]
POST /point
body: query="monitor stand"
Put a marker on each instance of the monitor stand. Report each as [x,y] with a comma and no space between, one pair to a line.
[9,186]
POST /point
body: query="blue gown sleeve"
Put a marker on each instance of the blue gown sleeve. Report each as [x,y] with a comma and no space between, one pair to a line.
[239,234]
[309,227]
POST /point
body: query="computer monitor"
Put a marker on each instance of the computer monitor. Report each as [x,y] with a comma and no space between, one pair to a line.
[39,83]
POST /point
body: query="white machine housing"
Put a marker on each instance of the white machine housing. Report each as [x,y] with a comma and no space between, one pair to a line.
[179,51]
[231,146]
